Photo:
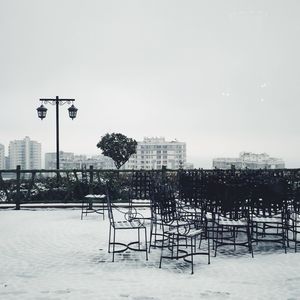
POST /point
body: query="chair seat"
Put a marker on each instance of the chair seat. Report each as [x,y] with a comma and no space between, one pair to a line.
[295,217]
[194,232]
[190,233]
[192,210]
[127,224]
[230,222]
[141,201]
[209,216]
[262,219]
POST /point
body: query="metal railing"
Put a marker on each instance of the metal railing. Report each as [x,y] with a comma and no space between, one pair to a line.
[19,186]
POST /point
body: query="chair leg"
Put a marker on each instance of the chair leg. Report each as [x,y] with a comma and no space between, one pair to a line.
[284,238]
[295,238]
[208,249]
[213,234]
[146,246]
[171,240]
[234,238]
[109,239]
[103,210]
[192,254]
[249,240]
[139,238]
[216,240]
[114,243]
[161,253]
[151,232]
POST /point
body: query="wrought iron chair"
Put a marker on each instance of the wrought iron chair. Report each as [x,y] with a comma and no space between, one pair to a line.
[232,223]
[194,197]
[125,223]
[293,222]
[269,211]
[160,194]
[183,232]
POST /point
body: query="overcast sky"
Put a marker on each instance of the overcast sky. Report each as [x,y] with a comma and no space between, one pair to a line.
[222,76]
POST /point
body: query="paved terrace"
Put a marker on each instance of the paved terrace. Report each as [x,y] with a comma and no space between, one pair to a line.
[52,254]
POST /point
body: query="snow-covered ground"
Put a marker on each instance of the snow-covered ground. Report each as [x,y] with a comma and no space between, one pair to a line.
[52,254]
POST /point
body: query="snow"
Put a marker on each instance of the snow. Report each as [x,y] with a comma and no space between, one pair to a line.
[52,254]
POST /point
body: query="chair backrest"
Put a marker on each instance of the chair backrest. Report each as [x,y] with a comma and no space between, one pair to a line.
[109,207]
[192,187]
[234,200]
[163,202]
[140,186]
[269,197]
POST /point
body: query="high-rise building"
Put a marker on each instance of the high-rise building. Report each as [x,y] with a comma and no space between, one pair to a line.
[153,153]
[249,160]
[26,153]
[2,157]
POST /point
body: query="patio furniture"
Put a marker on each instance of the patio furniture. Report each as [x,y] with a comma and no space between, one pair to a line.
[232,223]
[269,212]
[93,203]
[293,222]
[120,221]
[182,232]
[161,200]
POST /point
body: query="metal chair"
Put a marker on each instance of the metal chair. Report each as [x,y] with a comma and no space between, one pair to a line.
[269,212]
[181,232]
[293,221]
[125,223]
[232,223]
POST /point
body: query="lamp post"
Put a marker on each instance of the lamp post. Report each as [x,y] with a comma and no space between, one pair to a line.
[42,111]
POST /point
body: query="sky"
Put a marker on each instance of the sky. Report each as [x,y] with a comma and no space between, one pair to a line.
[222,76]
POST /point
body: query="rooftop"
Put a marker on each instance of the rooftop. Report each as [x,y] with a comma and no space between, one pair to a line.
[52,254]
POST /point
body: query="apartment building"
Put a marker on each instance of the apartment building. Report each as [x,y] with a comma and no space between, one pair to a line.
[26,153]
[153,153]
[249,160]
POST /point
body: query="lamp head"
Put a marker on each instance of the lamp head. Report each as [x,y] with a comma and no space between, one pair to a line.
[42,111]
[72,111]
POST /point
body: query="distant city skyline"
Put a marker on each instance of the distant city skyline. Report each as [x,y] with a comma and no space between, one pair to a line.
[222,76]
[172,159]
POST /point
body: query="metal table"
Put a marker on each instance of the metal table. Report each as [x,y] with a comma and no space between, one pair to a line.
[93,203]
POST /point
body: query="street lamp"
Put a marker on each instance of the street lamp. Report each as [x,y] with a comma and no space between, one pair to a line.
[42,112]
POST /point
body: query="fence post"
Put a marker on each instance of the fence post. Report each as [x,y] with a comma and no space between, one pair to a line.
[91,190]
[18,197]
[164,173]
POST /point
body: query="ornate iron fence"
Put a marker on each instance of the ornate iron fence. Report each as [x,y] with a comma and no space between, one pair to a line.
[70,186]
[19,186]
